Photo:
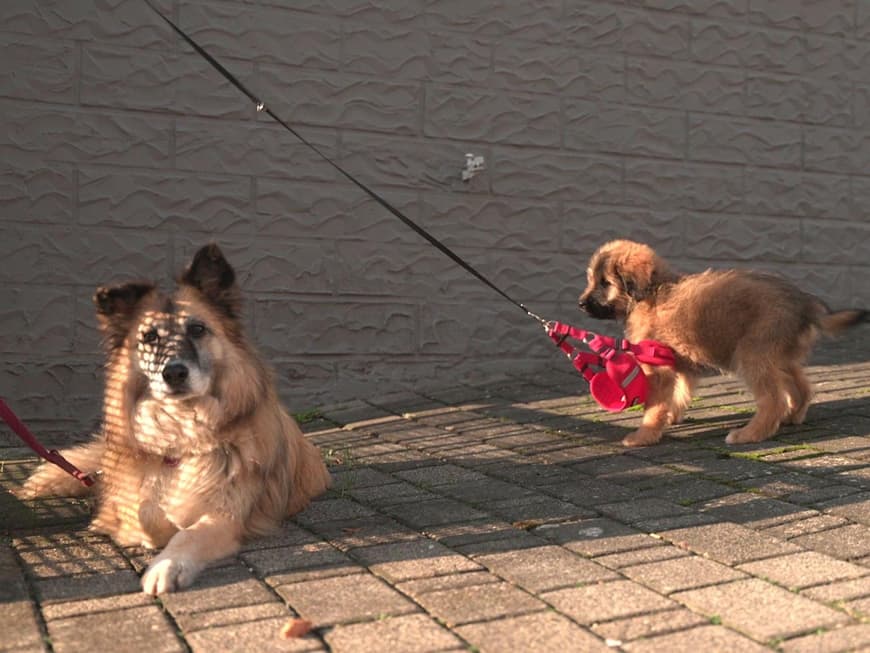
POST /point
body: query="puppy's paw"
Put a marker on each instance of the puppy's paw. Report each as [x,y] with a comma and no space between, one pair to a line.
[168,574]
[642,437]
[745,436]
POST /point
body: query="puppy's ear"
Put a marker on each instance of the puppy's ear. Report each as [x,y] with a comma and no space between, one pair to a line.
[211,274]
[116,308]
[642,273]
[637,289]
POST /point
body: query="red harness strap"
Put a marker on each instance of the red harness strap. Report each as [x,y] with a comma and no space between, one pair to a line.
[619,381]
[51,456]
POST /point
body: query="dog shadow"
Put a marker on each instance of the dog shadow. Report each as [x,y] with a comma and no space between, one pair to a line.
[508,474]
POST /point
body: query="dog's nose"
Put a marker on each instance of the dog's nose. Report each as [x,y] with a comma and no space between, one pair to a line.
[175,374]
[581,303]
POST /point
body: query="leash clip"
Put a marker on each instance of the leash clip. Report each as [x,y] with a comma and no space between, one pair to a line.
[260,106]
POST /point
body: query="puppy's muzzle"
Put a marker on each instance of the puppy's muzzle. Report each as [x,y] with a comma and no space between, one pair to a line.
[593,308]
[175,375]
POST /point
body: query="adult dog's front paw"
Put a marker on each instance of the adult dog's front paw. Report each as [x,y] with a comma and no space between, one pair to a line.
[169,573]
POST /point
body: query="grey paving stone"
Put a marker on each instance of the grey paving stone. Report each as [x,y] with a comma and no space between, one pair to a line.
[727,469]
[641,556]
[365,531]
[332,510]
[762,610]
[444,474]
[754,511]
[414,632]
[485,492]
[848,638]
[536,509]
[677,574]
[217,589]
[360,477]
[594,537]
[605,601]
[729,543]
[238,614]
[286,558]
[541,631]
[300,575]
[433,513]
[661,524]
[84,558]
[642,509]
[546,567]
[289,534]
[589,492]
[799,570]
[21,628]
[87,606]
[478,603]
[703,638]
[389,494]
[334,600]
[71,588]
[806,526]
[845,542]
[132,629]
[689,490]
[819,497]
[451,581]
[419,558]
[481,530]
[648,625]
[14,586]
[521,540]
[840,590]
[238,638]
[855,507]
[859,608]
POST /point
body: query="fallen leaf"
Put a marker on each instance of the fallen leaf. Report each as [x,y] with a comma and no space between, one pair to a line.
[295,627]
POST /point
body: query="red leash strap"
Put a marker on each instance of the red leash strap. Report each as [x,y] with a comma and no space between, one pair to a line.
[618,382]
[651,352]
[52,456]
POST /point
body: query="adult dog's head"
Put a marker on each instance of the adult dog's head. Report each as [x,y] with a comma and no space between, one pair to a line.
[177,346]
[622,273]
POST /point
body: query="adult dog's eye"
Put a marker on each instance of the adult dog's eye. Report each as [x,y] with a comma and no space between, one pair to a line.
[604,283]
[196,330]
[150,336]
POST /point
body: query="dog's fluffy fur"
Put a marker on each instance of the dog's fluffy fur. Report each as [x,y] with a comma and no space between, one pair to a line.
[196,453]
[757,325]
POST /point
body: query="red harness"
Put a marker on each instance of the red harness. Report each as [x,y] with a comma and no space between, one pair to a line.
[619,381]
[52,456]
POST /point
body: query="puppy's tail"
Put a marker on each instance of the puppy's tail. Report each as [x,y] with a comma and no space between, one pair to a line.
[838,321]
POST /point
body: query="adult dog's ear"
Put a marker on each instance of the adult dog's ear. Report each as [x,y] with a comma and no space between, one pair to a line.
[116,308]
[211,274]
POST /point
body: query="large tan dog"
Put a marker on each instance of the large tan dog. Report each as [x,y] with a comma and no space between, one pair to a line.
[756,325]
[196,452]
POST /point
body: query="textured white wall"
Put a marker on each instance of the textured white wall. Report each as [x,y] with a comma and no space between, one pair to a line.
[721,131]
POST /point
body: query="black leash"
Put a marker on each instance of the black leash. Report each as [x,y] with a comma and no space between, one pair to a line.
[261,106]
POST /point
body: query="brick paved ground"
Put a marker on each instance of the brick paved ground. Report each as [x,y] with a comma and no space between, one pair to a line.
[503,517]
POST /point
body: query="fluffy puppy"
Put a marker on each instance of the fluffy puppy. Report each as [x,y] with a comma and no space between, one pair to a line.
[756,325]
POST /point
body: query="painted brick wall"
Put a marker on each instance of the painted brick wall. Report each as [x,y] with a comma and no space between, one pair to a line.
[724,132]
